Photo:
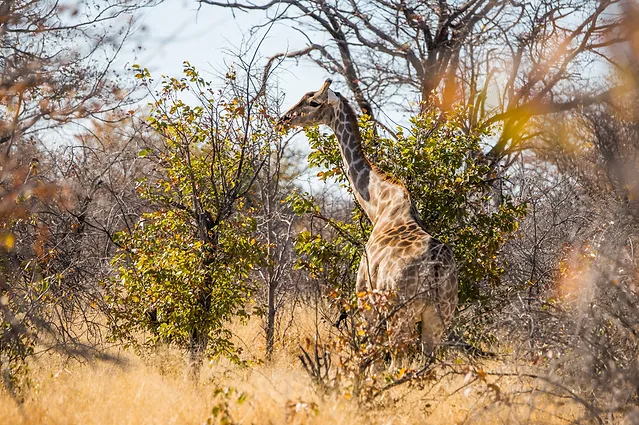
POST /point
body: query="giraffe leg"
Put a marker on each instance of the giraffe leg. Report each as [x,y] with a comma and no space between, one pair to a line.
[402,336]
[363,286]
[431,330]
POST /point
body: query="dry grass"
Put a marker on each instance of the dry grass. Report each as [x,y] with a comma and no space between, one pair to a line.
[158,390]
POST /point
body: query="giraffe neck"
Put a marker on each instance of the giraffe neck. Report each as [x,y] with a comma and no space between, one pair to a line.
[372,190]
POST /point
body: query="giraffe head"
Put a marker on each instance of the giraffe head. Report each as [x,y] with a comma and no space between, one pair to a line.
[315,107]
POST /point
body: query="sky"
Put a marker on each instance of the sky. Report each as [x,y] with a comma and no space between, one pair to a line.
[181,30]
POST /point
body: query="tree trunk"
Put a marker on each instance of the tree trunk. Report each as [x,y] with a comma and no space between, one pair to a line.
[270,320]
[198,343]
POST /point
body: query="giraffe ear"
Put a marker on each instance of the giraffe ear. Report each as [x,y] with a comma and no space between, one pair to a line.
[322,92]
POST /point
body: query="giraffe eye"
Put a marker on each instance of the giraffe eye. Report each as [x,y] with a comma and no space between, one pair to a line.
[314,104]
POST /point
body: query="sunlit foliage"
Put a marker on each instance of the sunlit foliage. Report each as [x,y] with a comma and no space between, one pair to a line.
[184,270]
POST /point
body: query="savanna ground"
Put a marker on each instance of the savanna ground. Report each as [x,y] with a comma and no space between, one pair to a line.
[159,388]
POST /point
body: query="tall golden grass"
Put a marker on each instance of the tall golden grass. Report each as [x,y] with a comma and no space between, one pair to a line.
[158,389]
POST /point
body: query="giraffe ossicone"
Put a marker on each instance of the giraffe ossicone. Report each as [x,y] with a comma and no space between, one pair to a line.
[400,256]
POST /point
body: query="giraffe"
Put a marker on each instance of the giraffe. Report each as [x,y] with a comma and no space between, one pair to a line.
[400,256]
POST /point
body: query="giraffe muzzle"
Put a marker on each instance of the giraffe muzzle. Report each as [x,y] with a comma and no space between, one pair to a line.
[286,121]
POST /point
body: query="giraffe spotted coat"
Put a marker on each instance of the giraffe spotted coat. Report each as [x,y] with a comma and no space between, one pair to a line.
[400,256]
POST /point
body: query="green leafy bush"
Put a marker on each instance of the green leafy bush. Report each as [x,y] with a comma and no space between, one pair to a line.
[184,271]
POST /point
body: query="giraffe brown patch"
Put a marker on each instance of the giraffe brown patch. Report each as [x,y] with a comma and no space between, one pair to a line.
[414,227]
[412,237]
[392,232]
[384,240]
[395,210]
[348,155]
[401,229]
